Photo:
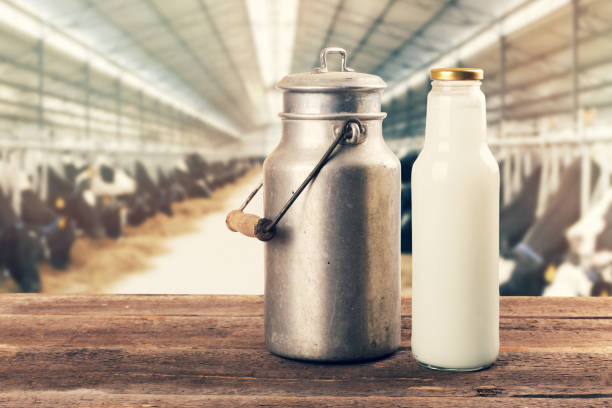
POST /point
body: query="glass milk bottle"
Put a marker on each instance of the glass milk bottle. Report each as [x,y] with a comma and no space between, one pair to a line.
[455,230]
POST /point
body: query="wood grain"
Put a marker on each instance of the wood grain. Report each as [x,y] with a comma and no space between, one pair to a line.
[158,331]
[92,398]
[168,350]
[238,305]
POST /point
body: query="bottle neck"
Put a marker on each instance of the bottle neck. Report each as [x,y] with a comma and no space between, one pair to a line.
[456,116]
[455,86]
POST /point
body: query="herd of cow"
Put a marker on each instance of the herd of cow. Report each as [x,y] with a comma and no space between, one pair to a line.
[557,253]
[43,210]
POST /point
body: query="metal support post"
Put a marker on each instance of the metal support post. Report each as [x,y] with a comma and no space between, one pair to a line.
[87,91]
[40,58]
[502,83]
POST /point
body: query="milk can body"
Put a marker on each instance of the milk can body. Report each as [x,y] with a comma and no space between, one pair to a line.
[455,210]
[332,284]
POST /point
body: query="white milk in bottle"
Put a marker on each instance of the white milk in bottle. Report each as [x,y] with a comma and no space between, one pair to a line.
[455,230]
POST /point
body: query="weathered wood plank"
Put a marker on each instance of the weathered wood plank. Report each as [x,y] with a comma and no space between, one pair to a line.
[247,372]
[589,307]
[132,331]
[170,350]
[239,305]
[517,334]
[88,398]
[126,305]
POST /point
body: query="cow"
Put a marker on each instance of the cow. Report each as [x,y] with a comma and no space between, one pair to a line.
[147,200]
[587,272]
[112,216]
[147,184]
[219,173]
[545,245]
[109,183]
[73,168]
[138,208]
[575,279]
[407,162]
[54,231]
[172,190]
[74,200]
[520,213]
[593,233]
[501,164]
[195,176]
[406,219]
[20,248]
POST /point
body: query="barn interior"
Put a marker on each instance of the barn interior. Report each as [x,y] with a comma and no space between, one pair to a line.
[147,95]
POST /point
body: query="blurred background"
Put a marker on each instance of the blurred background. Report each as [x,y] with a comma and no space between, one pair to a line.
[128,129]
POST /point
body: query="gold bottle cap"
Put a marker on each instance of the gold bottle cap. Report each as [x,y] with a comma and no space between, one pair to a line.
[456,74]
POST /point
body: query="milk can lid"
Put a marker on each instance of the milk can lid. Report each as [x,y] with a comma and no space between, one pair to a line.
[321,80]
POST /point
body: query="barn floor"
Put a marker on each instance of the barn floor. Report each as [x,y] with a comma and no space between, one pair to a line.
[210,259]
[233,262]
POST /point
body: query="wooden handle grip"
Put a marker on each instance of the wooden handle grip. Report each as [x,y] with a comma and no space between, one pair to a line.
[248,224]
[238,221]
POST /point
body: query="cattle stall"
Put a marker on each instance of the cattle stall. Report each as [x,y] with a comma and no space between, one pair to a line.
[549,124]
[128,128]
[52,196]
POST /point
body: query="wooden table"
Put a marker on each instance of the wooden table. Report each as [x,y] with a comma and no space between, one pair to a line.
[115,350]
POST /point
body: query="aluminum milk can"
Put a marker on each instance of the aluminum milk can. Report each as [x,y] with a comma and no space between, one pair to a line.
[332,263]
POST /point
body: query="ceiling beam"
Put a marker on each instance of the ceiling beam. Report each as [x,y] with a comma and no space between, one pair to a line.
[377,21]
[107,66]
[534,82]
[235,104]
[418,33]
[517,105]
[541,57]
[228,54]
[142,47]
[559,111]
[330,29]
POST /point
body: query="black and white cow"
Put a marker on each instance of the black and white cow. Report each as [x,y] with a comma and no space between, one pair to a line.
[20,248]
[588,271]
[146,183]
[580,279]
[54,231]
[407,162]
[545,243]
[75,201]
[147,200]
[108,184]
[520,214]
[73,168]
[195,176]
[172,190]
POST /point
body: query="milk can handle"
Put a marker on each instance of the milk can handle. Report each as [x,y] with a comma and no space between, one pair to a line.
[263,229]
[333,50]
